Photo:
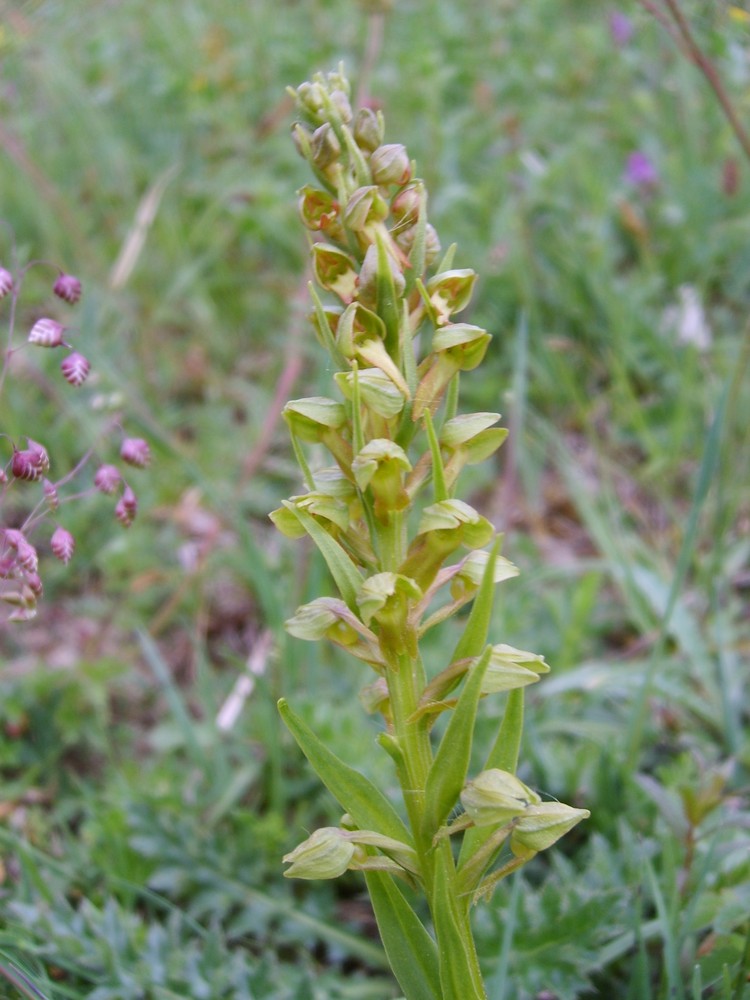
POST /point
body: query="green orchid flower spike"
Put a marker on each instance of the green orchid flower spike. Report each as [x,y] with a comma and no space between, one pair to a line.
[405,553]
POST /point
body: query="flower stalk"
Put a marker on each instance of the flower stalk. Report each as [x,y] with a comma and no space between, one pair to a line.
[405,553]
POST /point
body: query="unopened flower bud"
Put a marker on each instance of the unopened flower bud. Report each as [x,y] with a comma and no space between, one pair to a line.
[302,137]
[107,479]
[311,98]
[368,129]
[511,668]
[50,494]
[46,333]
[340,101]
[311,417]
[75,367]
[68,288]
[364,208]
[26,554]
[135,451]
[541,825]
[390,164]
[325,148]
[126,507]
[406,205]
[370,280]
[26,465]
[495,797]
[41,453]
[325,854]
[6,282]
[62,544]
[405,240]
[469,577]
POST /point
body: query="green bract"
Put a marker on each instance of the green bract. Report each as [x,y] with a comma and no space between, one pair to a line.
[384,514]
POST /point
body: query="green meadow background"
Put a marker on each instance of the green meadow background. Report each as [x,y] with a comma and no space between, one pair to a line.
[146,799]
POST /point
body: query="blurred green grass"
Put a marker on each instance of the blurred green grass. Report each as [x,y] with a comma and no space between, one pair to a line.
[136,830]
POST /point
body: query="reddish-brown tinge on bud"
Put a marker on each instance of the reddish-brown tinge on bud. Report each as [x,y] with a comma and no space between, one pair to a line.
[62,544]
[6,282]
[127,507]
[27,465]
[107,479]
[68,288]
[135,451]
[75,367]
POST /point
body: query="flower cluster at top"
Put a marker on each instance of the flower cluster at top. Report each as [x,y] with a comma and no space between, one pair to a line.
[390,332]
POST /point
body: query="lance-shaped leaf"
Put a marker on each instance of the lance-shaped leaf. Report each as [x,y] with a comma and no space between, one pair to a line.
[448,293]
[346,575]
[460,978]
[381,284]
[541,825]
[455,348]
[377,391]
[356,794]
[335,271]
[474,635]
[448,770]
[411,951]
[325,320]
[321,505]
[503,756]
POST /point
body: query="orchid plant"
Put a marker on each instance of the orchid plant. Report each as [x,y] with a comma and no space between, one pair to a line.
[405,554]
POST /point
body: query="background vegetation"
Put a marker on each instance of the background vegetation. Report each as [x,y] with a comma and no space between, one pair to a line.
[145,148]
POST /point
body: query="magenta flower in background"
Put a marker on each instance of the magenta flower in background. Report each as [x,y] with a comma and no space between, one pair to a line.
[621,28]
[640,171]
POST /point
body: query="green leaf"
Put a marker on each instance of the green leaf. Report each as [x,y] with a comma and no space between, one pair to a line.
[410,949]
[474,635]
[448,770]
[324,326]
[440,490]
[460,978]
[357,795]
[388,302]
[344,572]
